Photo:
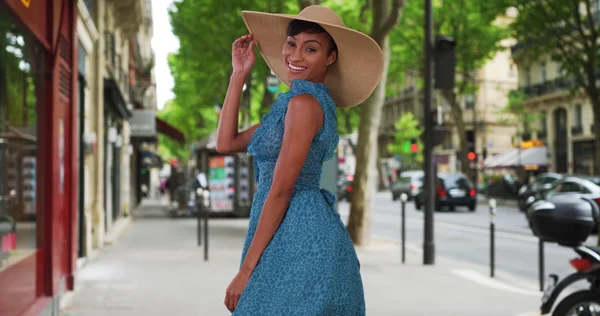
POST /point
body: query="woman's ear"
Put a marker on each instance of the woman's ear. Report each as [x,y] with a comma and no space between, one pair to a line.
[332,58]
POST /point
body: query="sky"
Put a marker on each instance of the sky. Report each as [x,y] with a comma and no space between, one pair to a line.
[163,43]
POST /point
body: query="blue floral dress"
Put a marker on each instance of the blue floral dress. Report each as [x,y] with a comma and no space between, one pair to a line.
[310,267]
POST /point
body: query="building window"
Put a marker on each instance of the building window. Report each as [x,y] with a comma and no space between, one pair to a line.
[543,128]
[469,101]
[543,73]
[577,128]
[21,94]
[528,77]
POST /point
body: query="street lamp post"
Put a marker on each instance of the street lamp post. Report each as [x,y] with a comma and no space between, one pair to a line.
[429,183]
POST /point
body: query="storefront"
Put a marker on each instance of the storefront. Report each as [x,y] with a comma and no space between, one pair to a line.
[38,223]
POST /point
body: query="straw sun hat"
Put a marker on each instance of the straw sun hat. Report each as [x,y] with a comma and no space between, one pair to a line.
[359,66]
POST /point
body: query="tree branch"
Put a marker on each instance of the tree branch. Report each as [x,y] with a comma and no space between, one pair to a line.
[575,8]
[392,18]
[591,23]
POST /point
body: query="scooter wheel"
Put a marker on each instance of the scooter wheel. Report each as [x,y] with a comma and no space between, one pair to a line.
[578,303]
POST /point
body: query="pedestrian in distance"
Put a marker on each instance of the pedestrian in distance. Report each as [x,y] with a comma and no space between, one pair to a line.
[297,258]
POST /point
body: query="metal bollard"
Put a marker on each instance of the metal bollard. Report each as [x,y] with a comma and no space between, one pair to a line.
[199,207]
[541,263]
[206,210]
[492,204]
[403,198]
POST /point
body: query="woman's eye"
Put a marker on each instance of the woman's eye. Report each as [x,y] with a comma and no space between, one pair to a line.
[292,44]
[311,50]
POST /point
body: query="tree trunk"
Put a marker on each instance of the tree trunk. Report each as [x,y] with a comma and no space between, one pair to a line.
[459,123]
[359,222]
[595,100]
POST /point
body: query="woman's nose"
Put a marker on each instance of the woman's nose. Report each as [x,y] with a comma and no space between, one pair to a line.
[296,55]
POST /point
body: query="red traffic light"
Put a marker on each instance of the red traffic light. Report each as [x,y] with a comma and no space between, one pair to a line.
[471,156]
[414,148]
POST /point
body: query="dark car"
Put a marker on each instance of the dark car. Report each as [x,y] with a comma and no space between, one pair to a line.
[542,183]
[452,190]
[408,183]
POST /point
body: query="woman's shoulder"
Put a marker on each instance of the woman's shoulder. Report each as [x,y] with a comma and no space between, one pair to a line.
[318,90]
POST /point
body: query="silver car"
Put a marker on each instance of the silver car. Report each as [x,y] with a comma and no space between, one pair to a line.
[409,182]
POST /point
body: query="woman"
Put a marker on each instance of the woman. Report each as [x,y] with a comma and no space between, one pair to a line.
[298,258]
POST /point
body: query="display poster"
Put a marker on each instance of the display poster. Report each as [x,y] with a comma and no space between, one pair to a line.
[221,183]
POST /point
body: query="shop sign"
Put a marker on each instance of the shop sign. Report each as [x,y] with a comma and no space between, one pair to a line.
[26,3]
[532,143]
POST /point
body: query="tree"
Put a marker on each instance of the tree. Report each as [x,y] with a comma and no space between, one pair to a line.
[384,17]
[406,130]
[567,32]
[202,65]
[475,27]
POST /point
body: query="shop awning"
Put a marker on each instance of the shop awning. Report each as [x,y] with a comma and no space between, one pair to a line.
[517,158]
[170,131]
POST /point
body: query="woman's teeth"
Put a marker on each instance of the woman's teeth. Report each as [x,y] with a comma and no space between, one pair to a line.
[295,68]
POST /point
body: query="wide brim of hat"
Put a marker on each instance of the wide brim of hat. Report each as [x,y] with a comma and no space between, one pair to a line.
[351,79]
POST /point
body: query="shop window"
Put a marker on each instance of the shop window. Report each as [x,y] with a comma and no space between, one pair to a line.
[21,91]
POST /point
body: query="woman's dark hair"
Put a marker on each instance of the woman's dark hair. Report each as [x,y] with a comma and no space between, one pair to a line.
[298,26]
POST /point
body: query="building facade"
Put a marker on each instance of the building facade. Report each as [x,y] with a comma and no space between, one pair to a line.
[565,123]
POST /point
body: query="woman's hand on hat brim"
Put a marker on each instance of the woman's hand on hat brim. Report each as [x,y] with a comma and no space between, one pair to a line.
[242,55]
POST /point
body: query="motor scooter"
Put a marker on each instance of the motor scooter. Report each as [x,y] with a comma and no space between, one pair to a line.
[583,302]
[569,221]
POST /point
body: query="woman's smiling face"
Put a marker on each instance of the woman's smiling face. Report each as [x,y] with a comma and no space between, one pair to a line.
[307,56]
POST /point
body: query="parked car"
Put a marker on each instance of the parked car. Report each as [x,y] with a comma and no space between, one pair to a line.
[452,190]
[409,183]
[542,183]
[345,188]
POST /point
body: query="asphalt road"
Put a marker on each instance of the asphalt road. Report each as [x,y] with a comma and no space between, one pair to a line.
[465,235]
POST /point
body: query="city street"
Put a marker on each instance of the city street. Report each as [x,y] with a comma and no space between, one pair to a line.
[156,268]
[465,236]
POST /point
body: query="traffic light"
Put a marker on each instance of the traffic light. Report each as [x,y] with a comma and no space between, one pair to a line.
[414,147]
[406,146]
[143,171]
[471,156]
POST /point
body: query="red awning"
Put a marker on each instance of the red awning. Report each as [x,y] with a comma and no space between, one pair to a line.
[170,131]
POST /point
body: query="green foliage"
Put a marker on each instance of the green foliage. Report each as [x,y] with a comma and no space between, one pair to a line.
[201,68]
[516,113]
[473,25]
[566,31]
[406,129]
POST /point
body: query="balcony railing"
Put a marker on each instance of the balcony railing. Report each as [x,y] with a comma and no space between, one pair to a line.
[558,84]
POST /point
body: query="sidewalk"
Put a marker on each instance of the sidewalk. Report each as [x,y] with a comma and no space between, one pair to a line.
[157,269]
